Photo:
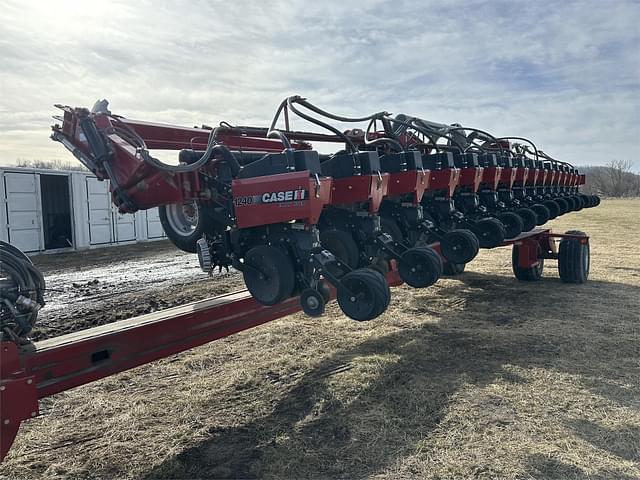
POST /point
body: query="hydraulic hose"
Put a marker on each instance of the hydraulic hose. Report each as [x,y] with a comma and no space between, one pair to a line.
[21,292]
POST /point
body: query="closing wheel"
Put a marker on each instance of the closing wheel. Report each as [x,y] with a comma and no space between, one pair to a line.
[490,232]
[513,224]
[528,217]
[571,203]
[312,302]
[553,207]
[579,202]
[459,246]
[420,267]
[184,224]
[342,245]
[574,258]
[542,213]
[268,274]
[452,269]
[363,294]
[586,200]
[527,274]
[562,203]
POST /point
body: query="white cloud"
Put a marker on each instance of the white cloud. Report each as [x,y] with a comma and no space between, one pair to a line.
[562,73]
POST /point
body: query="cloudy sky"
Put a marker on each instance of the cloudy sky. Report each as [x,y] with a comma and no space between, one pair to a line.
[566,74]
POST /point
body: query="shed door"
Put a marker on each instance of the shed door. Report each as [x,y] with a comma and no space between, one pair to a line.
[154,227]
[125,226]
[99,203]
[23,211]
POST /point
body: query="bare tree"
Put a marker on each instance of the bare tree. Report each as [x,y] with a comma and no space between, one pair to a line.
[619,176]
[50,164]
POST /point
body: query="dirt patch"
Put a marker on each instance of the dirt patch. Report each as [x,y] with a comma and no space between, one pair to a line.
[95,287]
[479,376]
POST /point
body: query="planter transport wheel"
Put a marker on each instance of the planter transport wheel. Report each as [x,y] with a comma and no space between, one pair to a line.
[268,274]
[530,274]
[312,302]
[513,224]
[490,232]
[574,258]
[459,246]
[362,294]
[452,269]
[542,213]
[420,267]
[184,224]
[528,217]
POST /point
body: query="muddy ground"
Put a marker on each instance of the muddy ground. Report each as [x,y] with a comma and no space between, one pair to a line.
[101,286]
[479,376]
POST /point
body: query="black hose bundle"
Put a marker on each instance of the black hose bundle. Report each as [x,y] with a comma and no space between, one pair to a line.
[21,293]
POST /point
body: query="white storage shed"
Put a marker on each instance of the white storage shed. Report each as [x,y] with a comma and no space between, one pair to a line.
[57,210]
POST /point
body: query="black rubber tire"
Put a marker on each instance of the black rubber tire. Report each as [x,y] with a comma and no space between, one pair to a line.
[387,290]
[276,269]
[578,200]
[186,243]
[371,290]
[553,207]
[342,245]
[574,259]
[512,223]
[391,227]
[452,269]
[490,232]
[528,217]
[596,200]
[420,267]
[532,274]
[571,203]
[542,213]
[459,246]
[312,302]
[587,200]
[562,203]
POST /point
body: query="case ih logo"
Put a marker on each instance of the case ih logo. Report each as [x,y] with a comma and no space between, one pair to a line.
[299,195]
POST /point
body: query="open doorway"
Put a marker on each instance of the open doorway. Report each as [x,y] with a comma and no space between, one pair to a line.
[56,211]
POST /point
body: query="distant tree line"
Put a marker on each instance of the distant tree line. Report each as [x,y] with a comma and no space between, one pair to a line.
[50,164]
[612,180]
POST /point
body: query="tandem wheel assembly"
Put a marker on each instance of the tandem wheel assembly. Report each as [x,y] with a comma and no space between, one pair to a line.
[572,253]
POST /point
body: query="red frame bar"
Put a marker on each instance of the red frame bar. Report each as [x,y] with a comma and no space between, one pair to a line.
[38,370]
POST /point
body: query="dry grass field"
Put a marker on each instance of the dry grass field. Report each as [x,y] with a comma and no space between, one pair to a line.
[480,376]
